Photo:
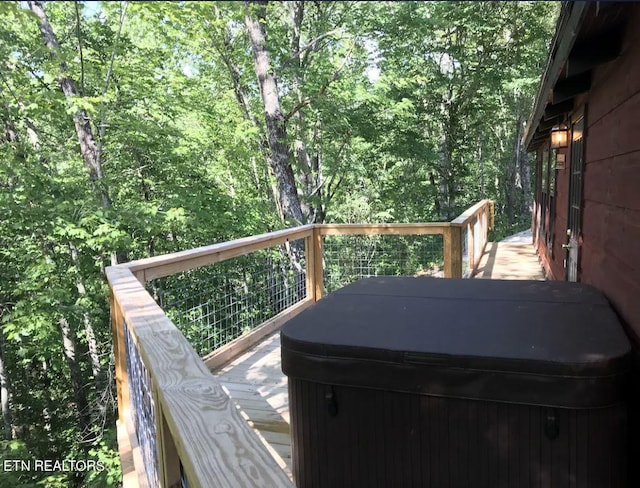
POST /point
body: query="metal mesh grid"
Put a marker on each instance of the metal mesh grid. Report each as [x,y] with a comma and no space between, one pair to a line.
[142,407]
[480,234]
[213,305]
[478,238]
[183,477]
[465,252]
[351,257]
[478,225]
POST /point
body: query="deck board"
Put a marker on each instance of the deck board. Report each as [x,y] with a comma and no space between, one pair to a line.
[510,259]
[258,386]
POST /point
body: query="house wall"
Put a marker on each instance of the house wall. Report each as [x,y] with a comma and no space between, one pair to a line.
[610,254]
[610,238]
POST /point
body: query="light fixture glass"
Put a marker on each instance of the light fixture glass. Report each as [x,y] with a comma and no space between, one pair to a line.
[559,136]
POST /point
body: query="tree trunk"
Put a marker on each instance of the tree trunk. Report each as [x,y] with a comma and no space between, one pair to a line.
[280,154]
[70,355]
[513,182]
[300,146]
[481,158]
[5,394]
[445,178]
[222,45]
[92,343]
[81,119]
[436,200]
[46,411]
[306,179]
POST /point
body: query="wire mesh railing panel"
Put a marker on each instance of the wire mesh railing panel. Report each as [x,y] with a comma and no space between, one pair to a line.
[183,478]
[215,304]
[478,238]
[465,252]
[142,407]
[348,258]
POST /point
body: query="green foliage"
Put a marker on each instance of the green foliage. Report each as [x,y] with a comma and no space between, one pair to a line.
[407,112]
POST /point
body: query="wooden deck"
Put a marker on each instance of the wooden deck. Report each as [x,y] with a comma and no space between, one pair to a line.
[257,385]
[513,258]
[192,418]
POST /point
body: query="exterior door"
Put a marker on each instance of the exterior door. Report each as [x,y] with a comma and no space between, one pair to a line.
[572,246]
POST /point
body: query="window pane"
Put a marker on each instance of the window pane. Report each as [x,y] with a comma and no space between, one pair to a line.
[545,170]
[552,174]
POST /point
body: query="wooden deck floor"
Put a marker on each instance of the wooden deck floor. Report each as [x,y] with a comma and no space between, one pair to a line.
[511,259]
[256,383]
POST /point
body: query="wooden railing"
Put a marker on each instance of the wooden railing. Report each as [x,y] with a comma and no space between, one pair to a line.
[176,424]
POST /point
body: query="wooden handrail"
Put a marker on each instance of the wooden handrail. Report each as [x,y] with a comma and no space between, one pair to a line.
[164,265]
[425,228]
[466,216]
[196,423]
[168,264]
[483,210]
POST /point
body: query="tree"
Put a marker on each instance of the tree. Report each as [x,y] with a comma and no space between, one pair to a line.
[280,153]
[161,126]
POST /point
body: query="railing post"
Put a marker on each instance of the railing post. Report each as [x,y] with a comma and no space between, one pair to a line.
[471,229]
[140,276]
[317,263]
[452,241]
[485,226]
[168,459]
[310,266]
[119,353]
[493,215]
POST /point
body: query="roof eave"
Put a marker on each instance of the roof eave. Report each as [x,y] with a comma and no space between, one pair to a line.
[569,23]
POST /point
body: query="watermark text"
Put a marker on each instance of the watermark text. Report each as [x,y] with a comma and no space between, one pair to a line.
[52,465]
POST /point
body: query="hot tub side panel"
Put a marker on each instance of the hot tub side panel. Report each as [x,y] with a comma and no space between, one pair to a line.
[358,437]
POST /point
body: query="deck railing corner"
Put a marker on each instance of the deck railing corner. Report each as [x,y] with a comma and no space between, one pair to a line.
[227,297]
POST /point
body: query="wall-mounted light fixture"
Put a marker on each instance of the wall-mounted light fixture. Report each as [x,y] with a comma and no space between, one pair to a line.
[559,136]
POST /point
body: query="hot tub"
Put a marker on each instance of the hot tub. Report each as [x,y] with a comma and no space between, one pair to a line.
[403,382]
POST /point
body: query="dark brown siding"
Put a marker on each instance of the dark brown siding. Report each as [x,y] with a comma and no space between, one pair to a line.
[610,252]
[611,215]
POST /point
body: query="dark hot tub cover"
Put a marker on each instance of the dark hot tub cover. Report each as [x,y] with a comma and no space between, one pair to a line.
[532,342]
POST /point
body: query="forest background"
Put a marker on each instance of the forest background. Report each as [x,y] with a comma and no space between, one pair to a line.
[134,129]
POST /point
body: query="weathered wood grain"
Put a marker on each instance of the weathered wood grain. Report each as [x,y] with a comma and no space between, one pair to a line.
[129,451]
[318,271]
[117,333]
[383,229]
[453,252]
[465,217]
[256,383]
[214,443]
[142,480]
[168,264]
[471,238]
[168,457]
[310,268]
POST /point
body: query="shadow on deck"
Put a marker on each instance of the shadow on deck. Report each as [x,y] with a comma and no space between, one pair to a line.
[257,385]
[513,258]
